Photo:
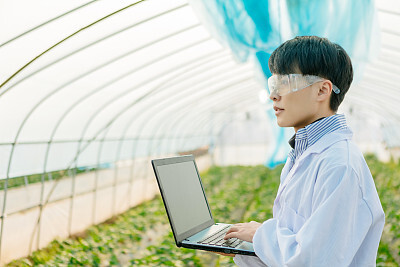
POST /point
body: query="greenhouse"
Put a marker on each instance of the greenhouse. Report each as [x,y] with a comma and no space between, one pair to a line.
[92,91]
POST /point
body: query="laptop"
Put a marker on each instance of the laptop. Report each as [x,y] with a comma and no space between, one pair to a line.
[188,211]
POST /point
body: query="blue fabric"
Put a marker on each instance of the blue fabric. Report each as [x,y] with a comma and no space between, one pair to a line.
[255,28]
[251,26]
[278,153]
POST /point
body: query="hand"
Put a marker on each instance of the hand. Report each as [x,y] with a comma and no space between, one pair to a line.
[243,231]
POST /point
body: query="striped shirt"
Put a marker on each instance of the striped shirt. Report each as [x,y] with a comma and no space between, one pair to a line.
[309,135]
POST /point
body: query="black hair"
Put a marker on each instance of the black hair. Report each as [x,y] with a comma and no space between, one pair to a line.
[313,55]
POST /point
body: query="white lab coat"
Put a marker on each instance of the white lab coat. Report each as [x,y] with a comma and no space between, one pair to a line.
[327,211]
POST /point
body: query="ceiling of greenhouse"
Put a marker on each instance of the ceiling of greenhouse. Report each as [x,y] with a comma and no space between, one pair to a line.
[78,73]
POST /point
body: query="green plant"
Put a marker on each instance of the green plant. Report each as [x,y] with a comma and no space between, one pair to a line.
[142,237]
[38,178]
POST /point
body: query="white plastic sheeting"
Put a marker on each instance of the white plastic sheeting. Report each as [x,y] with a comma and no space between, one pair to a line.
[90,76]
[106,74]
[372,102]
[103,85]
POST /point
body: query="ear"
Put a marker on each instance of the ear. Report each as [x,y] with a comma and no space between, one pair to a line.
[325,91]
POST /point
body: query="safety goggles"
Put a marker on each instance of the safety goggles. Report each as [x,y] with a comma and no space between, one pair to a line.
[284,84]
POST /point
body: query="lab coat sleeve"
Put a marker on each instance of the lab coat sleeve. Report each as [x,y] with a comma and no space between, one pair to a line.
[330,236]
[252,261]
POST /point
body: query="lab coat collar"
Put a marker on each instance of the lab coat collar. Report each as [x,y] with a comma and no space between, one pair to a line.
[317,148]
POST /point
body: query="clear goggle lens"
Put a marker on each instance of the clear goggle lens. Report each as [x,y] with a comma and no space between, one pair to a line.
[284,84]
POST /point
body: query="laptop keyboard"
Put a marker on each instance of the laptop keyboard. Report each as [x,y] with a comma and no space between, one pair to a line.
[217,239]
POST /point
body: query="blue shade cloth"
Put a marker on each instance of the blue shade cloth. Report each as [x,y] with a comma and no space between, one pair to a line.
[255,28]
[277,154]
[351,24]
[244,25]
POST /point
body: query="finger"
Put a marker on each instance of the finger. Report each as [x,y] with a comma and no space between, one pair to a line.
[232,229]
[230,235]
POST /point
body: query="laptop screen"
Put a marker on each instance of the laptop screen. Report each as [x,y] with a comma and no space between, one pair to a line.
[183,195]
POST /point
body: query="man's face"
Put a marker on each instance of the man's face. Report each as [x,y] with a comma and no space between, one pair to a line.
[296,109]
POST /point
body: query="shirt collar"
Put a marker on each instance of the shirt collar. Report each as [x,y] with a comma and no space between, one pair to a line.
[309,135]
[292,140]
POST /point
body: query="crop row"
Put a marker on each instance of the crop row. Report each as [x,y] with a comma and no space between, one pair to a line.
[142,237]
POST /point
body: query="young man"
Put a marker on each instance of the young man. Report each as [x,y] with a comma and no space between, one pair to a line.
[327,211]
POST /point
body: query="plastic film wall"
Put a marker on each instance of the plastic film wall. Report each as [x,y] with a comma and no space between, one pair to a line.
[90,91]
[371,104]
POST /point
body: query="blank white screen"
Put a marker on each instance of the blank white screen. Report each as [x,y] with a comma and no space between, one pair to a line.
[184,195]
